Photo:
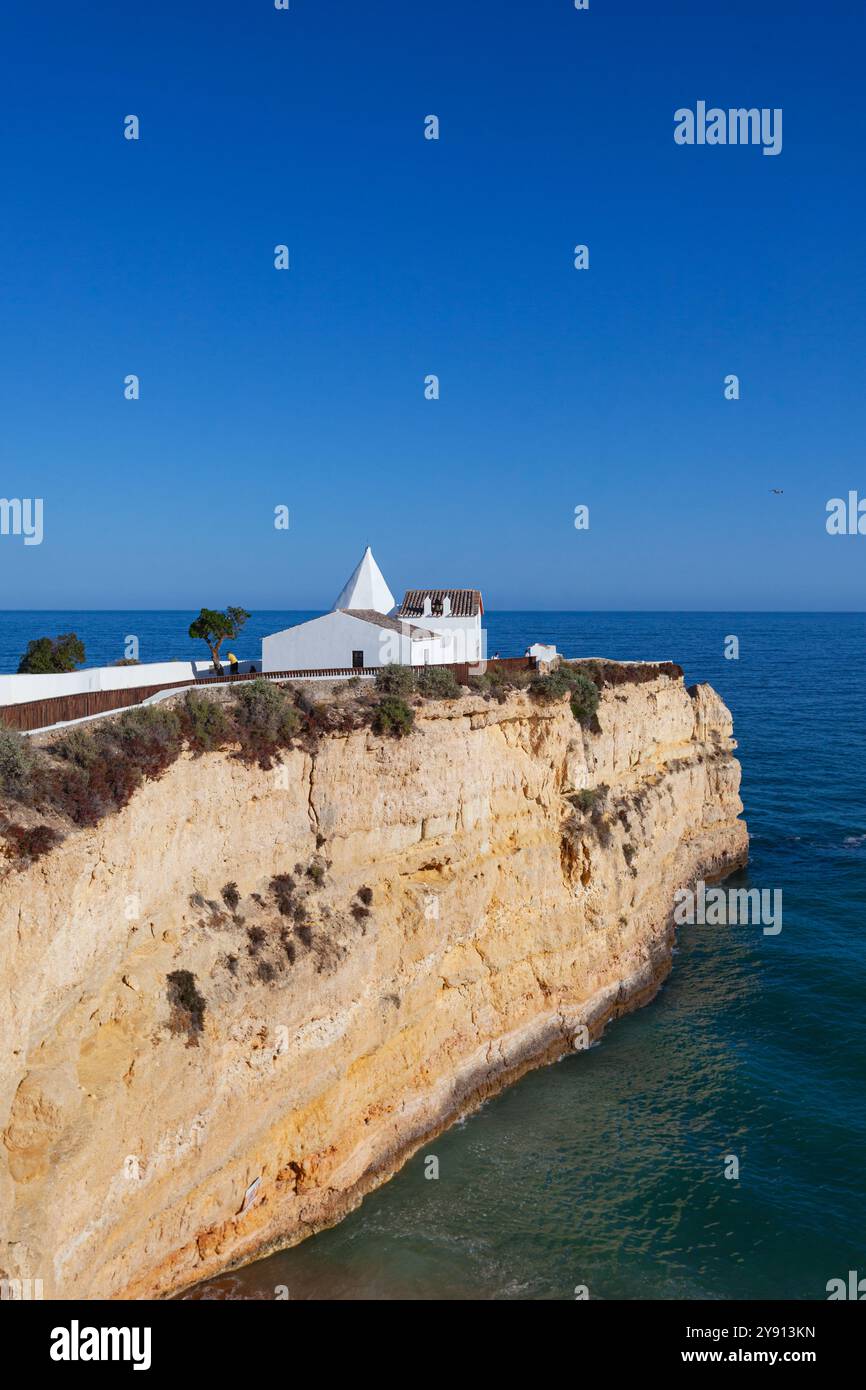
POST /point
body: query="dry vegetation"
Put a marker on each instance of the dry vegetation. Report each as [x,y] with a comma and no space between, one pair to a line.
[79,775]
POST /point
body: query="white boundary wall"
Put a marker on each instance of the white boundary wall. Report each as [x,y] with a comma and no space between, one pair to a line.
[17,690]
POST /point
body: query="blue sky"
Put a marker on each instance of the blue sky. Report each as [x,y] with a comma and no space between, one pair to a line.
[409,257]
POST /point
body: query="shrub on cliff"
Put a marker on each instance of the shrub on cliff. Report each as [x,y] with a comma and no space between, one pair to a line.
[150,737]
[205,723]
[551,687]
[630,672]
[497,681]
[256,937]
[266,720]
[17,764]
[392,716]
[77,746]
[96,771]
[79,792]
[283,888]
[394,679]
[584,697]
[32,843]
[230,895]
[507,678]
[437,683]
[585,799]
[187,1006]
[567,680]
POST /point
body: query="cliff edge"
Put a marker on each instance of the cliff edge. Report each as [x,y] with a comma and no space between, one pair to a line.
[235,1006]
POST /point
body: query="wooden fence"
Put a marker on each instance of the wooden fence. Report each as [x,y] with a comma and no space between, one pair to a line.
[57,709]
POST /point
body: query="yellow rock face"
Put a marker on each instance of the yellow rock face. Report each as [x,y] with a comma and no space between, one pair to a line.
[504,920]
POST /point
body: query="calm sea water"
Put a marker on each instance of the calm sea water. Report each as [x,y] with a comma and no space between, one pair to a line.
[606,1169]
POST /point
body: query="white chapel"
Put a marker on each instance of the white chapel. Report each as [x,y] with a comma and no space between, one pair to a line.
[365,628]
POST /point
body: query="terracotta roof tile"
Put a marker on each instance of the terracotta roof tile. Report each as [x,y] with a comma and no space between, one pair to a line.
[465,603]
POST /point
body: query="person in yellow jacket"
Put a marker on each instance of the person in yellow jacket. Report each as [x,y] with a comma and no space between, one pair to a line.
[233,663]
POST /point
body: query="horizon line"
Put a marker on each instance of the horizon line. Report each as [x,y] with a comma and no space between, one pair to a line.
[794,612]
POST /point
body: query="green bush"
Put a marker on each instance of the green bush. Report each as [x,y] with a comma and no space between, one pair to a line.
[78,746]
[17,764]
[148,735]
[551,687]
[49,656]
[394,679]
[585,799]
[266,720]
[498,681]
[584,698]
[204,722]
[566,680]
[393,716]
[437,682]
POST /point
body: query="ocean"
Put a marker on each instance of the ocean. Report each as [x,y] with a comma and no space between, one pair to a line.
[606,1170]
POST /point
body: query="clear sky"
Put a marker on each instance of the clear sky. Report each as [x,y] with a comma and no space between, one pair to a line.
[410,257]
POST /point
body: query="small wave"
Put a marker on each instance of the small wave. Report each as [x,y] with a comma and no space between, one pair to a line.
[852,841]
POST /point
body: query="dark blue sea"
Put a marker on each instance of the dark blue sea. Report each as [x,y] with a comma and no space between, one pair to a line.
[607,1169]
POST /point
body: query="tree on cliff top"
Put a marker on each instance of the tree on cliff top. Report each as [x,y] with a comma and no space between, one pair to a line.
[51,656]
[214,627]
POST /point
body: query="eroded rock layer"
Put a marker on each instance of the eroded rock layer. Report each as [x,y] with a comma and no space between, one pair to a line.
[417,922]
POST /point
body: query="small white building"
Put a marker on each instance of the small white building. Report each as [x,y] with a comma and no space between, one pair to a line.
[359,631]
[542,651]
[455,613]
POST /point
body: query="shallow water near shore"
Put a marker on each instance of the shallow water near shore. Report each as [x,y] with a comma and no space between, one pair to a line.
[607,1169]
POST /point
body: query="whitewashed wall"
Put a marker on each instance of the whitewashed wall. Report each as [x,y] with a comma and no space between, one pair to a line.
[16,690]
[331,639]
[463,634]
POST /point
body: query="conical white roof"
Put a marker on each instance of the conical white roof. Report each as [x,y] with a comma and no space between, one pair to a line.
[366,588]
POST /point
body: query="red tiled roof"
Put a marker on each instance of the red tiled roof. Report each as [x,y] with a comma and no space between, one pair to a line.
[465,603]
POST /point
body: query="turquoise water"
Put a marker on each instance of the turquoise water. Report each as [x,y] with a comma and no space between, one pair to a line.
[606,1170]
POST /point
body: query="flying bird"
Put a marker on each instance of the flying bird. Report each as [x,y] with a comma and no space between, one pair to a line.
[778,490]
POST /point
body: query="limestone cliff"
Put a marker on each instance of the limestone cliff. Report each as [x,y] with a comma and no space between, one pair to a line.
[418,921]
